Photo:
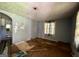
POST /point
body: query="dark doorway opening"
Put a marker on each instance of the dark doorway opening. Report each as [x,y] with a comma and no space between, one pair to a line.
[5,34]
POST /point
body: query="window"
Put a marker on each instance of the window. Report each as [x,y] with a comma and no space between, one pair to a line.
[46,28]
[49,28]
[52,28]
[77,32]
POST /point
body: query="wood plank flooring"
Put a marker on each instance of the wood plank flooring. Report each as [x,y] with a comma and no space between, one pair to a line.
[47,48]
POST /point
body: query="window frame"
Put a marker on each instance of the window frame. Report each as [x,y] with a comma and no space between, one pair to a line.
[50,28]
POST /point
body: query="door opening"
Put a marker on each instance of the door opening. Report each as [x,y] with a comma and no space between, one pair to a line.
[5,34]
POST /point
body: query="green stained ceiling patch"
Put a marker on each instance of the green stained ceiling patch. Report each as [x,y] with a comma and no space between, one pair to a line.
[14,7]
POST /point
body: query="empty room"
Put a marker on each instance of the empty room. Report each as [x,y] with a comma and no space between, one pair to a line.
[39,29]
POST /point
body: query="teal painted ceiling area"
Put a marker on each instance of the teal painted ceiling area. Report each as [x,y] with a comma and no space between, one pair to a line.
[14,7]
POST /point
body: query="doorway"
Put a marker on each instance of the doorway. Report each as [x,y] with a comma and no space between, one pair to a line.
[5,34]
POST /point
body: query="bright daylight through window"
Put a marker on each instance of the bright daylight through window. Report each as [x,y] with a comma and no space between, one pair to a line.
[49,28]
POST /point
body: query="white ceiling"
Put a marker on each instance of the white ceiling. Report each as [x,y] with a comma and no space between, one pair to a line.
[50,11]
[44,11]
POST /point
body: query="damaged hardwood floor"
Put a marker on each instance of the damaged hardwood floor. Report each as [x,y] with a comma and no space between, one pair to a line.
[47,48]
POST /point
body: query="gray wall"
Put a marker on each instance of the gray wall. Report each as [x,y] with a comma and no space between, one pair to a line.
[40,29]
[21,34]
[34,29]
[63,30]
[37,29]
